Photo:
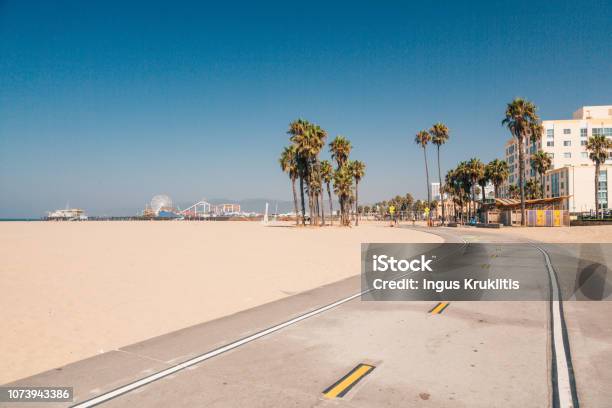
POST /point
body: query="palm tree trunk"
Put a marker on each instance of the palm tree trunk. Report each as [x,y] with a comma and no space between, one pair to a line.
[597,190]
[542,184]
[428,186]
[522,178]
[310,208]
[303,201]
[474,200]
[441,193]
[331,208]
[322,207]
[356,203]
[496,190]
[295,202]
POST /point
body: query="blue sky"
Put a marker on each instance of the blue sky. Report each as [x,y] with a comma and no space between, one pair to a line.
[104,104]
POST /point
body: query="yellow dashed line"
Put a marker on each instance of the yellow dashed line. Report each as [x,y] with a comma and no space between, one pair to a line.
[439,308]
[343,385]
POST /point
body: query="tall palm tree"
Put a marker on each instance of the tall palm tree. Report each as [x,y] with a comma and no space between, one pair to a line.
[523,122]
[343,183]
[475,170]
[439,136]
[358,170]
[497,171]
[288,163]
[541,163]
[450,187]
[340,149]
[297,129]
[422,138]
[463,175]
[599,147]
[315,188]
[309,139]
[482,182]
[327,173]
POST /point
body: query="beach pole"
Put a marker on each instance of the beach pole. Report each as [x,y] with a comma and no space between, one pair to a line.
[265,219]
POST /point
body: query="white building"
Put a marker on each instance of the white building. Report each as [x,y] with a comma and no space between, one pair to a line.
[67,214]
[435,192]
[572,172]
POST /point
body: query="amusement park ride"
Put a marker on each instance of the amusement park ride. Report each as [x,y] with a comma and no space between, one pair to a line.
[161,207]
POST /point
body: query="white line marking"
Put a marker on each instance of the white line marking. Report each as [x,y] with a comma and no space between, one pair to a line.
[563,374]
[169,371]
[164,373]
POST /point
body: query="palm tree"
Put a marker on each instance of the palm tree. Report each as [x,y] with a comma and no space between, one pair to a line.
[476,171]
[297,129]
[497,171]
[439,136]
[522,121]
[532,189]
[358,170]
[343,183]
[541,163]
[482,182]
[422,138]
[599,147]
[327,173]
[288,163]
[514,191]
[315,188]
[340,149]
[309,139]
[463,176]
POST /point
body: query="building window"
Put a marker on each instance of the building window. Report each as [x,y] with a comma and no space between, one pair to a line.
[583,132]
[567,131]
[550,133]
[603,189]
[602,131]
[583,143]
[550,144]
[555,185]
[567,155]
[584,155]
[567,143]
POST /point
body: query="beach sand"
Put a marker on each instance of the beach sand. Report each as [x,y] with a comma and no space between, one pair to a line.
[591,234]
[73,290]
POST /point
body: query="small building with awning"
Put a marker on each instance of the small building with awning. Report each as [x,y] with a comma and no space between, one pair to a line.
[540,212]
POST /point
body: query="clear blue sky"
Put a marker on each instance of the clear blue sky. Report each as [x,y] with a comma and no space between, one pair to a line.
[104,104]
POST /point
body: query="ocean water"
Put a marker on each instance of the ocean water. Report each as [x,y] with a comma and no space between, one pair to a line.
[20,219]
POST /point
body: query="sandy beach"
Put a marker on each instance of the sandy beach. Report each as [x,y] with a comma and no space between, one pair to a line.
[569,235]
[73,290]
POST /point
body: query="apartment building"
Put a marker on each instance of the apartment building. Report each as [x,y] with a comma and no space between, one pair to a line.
[572,171]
